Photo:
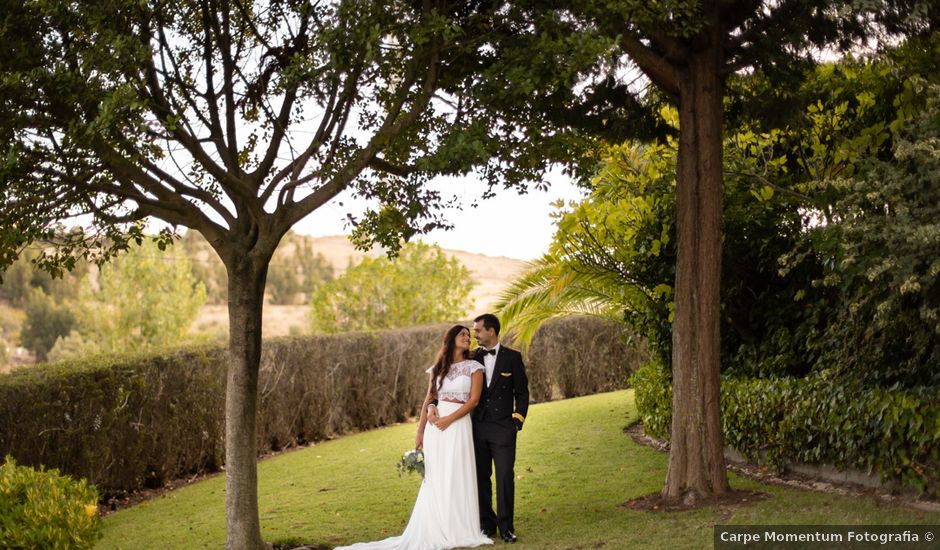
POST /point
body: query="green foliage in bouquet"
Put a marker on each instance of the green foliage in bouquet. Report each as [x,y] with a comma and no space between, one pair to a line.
[411,462]
[43,509]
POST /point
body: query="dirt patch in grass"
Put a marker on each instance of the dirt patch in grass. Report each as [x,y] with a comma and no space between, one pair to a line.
[117,503]
[656,503]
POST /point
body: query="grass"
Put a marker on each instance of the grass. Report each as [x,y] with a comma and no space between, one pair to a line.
[574,466]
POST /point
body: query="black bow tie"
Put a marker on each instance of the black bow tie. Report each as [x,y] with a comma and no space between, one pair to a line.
[489,351]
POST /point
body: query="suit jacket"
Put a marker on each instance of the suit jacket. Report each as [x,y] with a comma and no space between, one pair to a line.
[505,400]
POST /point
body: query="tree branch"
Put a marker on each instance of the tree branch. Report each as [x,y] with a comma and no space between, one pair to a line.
[283,118]
[658,69]
[391,127]
[785,10]
[768,183]
[228,72]
[378,163]
[215,127]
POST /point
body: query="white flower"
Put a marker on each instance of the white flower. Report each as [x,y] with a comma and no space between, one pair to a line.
[420,458]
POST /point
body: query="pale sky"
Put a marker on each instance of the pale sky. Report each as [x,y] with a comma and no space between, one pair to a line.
[509,224]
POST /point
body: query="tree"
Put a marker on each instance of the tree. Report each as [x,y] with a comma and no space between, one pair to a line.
[297,269]
[145,299]
[238,119]
[614,253]
[19,278]
[46,322]
[687,51]
[599,246]
[422,285]
[207,267]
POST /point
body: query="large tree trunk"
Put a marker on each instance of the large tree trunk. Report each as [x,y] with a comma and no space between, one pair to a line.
[696,460]
[246,280]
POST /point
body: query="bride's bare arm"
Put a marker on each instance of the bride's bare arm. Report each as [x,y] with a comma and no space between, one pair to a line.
[476,389]
[419,438]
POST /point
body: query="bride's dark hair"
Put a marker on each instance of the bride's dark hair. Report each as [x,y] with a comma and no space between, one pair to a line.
[445,356]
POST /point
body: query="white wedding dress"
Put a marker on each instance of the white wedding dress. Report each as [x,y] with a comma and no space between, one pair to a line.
[446,513]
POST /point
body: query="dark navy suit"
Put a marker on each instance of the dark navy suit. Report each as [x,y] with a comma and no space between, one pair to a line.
[497,419]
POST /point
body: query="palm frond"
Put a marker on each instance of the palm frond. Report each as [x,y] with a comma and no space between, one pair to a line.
[552,288]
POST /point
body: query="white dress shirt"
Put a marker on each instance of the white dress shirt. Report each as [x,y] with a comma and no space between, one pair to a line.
[489,361]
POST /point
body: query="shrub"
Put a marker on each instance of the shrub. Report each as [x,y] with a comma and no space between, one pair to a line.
[818,419]
[122,422]
[72,346]
[575,356]
[653,395]
[46,510]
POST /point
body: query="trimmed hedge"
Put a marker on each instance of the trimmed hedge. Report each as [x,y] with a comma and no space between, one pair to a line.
[895,432]
[576,356]
[130,422]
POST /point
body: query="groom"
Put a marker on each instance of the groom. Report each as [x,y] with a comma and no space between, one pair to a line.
[496,420]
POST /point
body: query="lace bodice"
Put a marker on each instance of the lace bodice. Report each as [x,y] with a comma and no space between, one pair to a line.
[456,385]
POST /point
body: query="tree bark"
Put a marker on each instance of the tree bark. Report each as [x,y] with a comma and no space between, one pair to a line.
[696,459]
[246,281]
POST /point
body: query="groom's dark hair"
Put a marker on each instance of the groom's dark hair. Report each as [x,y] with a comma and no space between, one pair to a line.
[489,321]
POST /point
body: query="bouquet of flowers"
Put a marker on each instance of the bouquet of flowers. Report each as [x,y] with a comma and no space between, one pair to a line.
[411,462]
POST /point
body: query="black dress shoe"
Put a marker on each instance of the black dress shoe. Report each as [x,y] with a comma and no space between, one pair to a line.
[510,537]
[489,533]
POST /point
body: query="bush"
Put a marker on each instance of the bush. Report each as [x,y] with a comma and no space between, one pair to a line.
[71,347]
[133,421]
[653,396]
[46,510]
[817,419]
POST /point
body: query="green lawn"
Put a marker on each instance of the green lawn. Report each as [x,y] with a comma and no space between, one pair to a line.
[575,467]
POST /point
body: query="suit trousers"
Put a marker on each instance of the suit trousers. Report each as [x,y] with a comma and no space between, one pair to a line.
[495,445]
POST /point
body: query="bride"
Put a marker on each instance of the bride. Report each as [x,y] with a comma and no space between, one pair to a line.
[446,513]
